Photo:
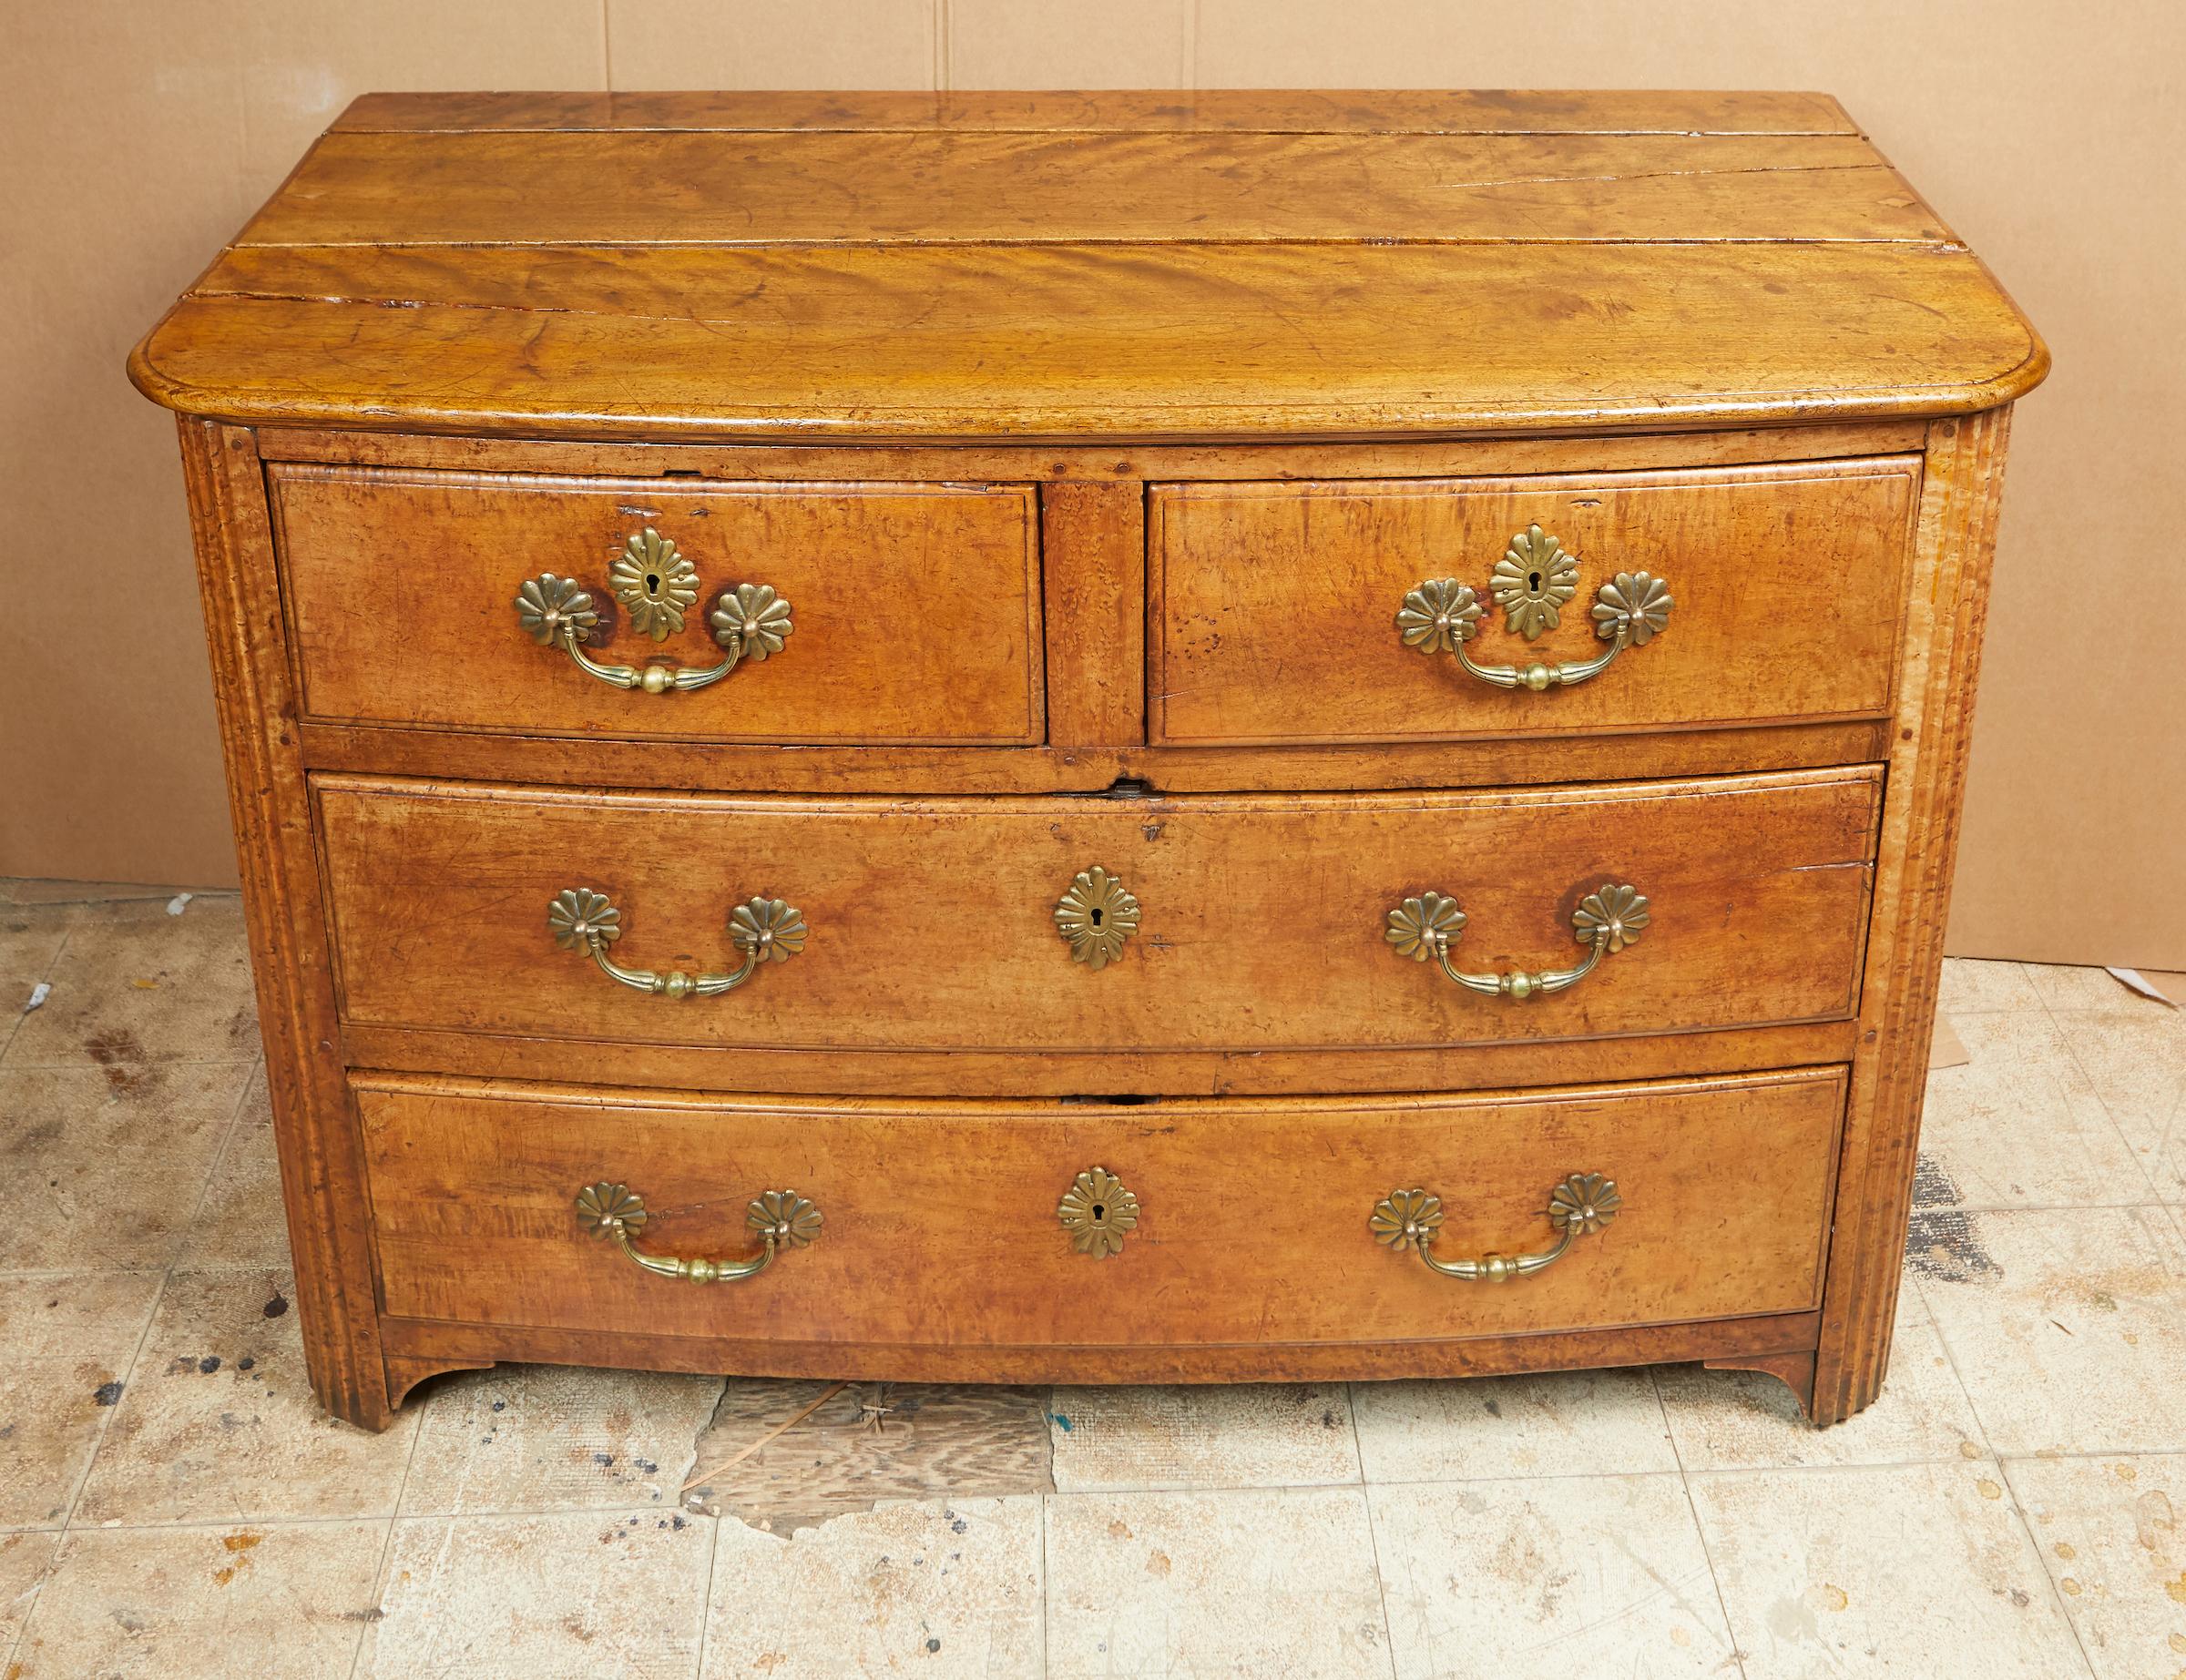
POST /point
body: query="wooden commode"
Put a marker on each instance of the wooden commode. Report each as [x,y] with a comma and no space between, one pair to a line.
[1095,737]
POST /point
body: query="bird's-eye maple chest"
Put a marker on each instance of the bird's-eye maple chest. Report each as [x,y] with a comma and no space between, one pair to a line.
[1095,737]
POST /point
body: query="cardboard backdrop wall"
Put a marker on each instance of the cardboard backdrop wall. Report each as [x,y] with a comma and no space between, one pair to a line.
[137,136]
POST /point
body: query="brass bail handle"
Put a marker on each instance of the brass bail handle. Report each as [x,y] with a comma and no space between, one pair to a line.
[779,1219]
[1607,920]
[765,929]
[657,585]
[1531,584]
[1578,1206]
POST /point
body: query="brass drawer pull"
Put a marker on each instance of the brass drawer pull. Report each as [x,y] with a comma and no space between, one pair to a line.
[656,586]
[765,929]
[1531,583]
[779,1218]
[1607,920]
[1581,1204]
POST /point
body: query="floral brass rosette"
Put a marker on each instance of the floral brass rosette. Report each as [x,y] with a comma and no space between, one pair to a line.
[1438,614]
[767,929]
[783,1217]
[750,621]
[1421,927]
[1407,1219]
[1635,606]
[1584,1203]
[548,607]
[1614,916]
[581,919]
[608,1209]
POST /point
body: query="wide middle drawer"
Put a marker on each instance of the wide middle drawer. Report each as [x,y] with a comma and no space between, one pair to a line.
[1260,923]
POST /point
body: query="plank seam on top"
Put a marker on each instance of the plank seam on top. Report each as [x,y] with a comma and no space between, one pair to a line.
[726,189]
[245,242]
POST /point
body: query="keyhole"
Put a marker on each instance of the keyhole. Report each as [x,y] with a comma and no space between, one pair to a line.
[1097,914]
[1101,1212]
[1533,581]
[652,583]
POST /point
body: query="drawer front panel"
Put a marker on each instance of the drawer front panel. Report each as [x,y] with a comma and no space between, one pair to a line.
[939,1222]
[930,925]
[913,608]
[1274,610]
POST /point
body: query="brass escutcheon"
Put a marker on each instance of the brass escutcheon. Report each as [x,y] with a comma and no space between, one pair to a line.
[1098,1213]
[1096,916]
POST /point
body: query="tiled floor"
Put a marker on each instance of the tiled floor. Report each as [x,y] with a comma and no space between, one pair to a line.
[173,1503]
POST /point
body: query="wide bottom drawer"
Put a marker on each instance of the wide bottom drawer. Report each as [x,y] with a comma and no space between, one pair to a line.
[942,1224]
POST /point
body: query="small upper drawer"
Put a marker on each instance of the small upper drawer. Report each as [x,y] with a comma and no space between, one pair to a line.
[1776,598]
[912,610]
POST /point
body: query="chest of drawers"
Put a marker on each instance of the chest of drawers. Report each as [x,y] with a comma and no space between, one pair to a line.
[1095,737]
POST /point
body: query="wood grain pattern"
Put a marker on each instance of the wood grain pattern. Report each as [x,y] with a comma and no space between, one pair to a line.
[1093,567]
[322,1174]
[1151,342]
[1261,928]
[743,1067]
[699,766]
[1913,889]
[406,1371]
[1205,110]
[1794,1369]
[429,1345]
[878,267]
[1003,461]
[1272,606]
[686,187]
[1252,1218]
[916,607]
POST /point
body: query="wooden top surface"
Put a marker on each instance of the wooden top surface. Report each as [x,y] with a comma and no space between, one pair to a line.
[1073,265]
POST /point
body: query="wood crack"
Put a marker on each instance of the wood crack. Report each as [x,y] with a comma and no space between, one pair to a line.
[1655,175]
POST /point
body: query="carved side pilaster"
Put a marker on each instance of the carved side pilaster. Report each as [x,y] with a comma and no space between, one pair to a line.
[1933,723]
[314,1129]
